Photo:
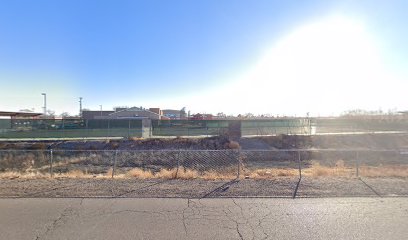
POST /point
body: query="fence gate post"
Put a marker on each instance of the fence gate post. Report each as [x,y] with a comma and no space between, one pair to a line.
[114,163]
[51,160]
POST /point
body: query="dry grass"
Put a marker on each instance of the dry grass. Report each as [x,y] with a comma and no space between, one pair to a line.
[63,163]
[38,146]
[114,145]
[25,175]
[233,145]
[135,138]
[215,175]
[109,172]
[166,174]
[187,174]
[74,174]
[270,173]
[182,173]
[384,171]
[315,170]
[339,170]
[139,173]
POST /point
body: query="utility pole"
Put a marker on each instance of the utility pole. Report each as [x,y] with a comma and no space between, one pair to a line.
[45,103]
[80,106]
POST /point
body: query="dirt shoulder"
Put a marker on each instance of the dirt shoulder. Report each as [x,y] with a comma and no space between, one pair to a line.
[136,188]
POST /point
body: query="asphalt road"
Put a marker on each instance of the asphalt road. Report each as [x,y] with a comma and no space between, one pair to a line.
[227,218]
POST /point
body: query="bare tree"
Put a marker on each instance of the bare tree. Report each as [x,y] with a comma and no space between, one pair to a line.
[65,115]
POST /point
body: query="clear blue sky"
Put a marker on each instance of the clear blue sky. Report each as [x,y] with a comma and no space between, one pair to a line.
[172,54]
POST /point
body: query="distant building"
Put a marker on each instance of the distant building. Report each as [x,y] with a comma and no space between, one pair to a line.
[121,113]
[175,114]
[156,110]
[172,114]
[200,116]
[134,113]
[17,120]
[88,114]
[20,115]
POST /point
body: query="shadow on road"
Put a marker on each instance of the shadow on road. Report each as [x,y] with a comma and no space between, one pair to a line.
[224,187]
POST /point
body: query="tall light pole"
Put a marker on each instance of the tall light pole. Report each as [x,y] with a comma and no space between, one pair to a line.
[80,106]
[45,103]
[101,109]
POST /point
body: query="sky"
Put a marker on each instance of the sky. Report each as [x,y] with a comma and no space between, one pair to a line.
[210,56]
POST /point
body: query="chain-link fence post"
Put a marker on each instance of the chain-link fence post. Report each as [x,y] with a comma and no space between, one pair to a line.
[51,162]
[142,159]
[357,165]
[178,163]
[239,163]
[114,163]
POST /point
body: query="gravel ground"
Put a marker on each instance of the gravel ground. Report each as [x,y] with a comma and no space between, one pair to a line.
[334,187]
[135,188]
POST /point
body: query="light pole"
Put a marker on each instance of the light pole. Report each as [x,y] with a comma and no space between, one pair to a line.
[101,109]
[80,106]
[45,103]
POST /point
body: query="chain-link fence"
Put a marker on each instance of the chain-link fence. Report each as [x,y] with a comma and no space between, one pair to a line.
[207,164]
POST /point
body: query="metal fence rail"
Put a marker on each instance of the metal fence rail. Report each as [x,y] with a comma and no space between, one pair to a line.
[208,164]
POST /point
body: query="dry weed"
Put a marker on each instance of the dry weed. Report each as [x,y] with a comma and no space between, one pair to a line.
[135,138]
[109,172]
[272,173]
[233,145]
[166,173]
[187,174]
[384,171]
[29,175]
[317,170]
[214,175]
[38,146]
[139,173]
[73,174]
[114,145]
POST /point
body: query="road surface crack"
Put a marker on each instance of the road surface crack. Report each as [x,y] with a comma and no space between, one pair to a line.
[184,216]
[59,221]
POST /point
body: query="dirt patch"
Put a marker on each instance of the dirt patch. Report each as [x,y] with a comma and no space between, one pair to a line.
[363,141]
[210,143]
[340,141]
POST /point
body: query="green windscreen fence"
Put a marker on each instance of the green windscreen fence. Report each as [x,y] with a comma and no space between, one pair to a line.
[69,128]
[353,125]
[275,126]
[106,128]
[189,127]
